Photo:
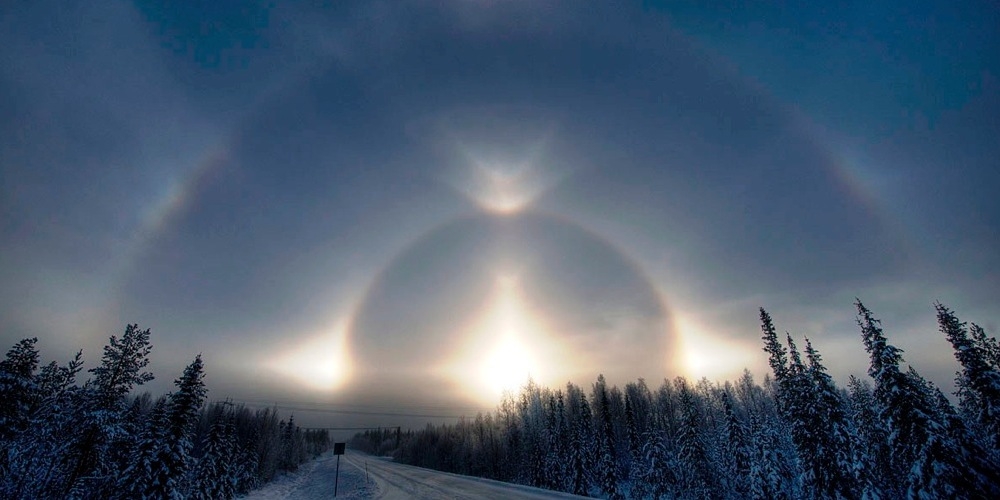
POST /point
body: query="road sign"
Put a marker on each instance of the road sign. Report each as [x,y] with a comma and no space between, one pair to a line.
[338,449]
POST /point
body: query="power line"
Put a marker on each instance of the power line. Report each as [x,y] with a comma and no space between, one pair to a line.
[398,428]
[347,412]
[364,407]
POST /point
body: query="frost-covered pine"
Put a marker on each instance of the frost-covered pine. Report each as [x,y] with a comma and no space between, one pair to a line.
[979,380]
[699,476]
[122,366]
[834,476]
[872,456]
[18,390]
[930,463]
[766,476]
[657,469]
[554,462]
[169,453]
[101,428]
[214,475]
[776,352]
[138,479]
[34,461]
[608,474]
[736,449]
[581,449]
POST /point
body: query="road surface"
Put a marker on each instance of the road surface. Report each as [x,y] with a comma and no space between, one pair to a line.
[389,481]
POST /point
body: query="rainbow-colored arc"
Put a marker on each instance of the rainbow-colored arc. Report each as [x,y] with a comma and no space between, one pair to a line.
[502,198]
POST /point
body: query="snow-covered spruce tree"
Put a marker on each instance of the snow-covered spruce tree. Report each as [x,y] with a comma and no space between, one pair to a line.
[979,382]
[607,463]
[872,456]
[816,413]
[170,458]
[736,456]
[796,396]
[636,417]
[981,468]
[989,346]
[834,476]
[287,459]
[533,442]
[776,352]
[581,448]
[121,369]
[767,476]
[658,465]
[699,477]
[927,461]
[18,389]
[34,466]
[555,419]
[122,366]
[639,414]
[214,476]
[139,476]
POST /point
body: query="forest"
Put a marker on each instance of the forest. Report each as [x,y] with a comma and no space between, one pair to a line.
[795,434]
[63,439]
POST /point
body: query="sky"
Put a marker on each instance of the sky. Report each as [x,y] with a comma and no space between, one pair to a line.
[404,208]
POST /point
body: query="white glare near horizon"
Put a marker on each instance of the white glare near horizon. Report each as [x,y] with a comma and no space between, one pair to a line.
[510,361]
[702,354]
[507,345]
[322,363]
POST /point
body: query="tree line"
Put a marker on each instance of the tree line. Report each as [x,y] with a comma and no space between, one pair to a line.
[795,435]
[63,439]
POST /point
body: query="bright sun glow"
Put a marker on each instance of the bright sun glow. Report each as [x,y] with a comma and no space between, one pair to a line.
[702,354]
[505,346]
[322,363]
[509,361]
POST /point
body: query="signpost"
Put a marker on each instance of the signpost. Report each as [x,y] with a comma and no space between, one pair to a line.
[338,449]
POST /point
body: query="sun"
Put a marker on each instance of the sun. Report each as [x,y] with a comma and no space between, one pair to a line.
[510,360]
[507,344]
[507,367]
[503,347]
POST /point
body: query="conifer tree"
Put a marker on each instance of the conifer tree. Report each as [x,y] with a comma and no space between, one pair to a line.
[658,469]
[737,449]
[693,454]
[33,460]
[766,478]
[214,474]
[607,465]
[121,369]
[834,475]
[979,382]
[169,448]
[138,479]
[554,473]
[987,345]
[872,456]
[18,388]
[929,463]
[774,349]
[122,366]
[581,448]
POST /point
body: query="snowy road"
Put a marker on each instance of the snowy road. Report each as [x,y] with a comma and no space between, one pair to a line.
[397,481]
[388,480]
